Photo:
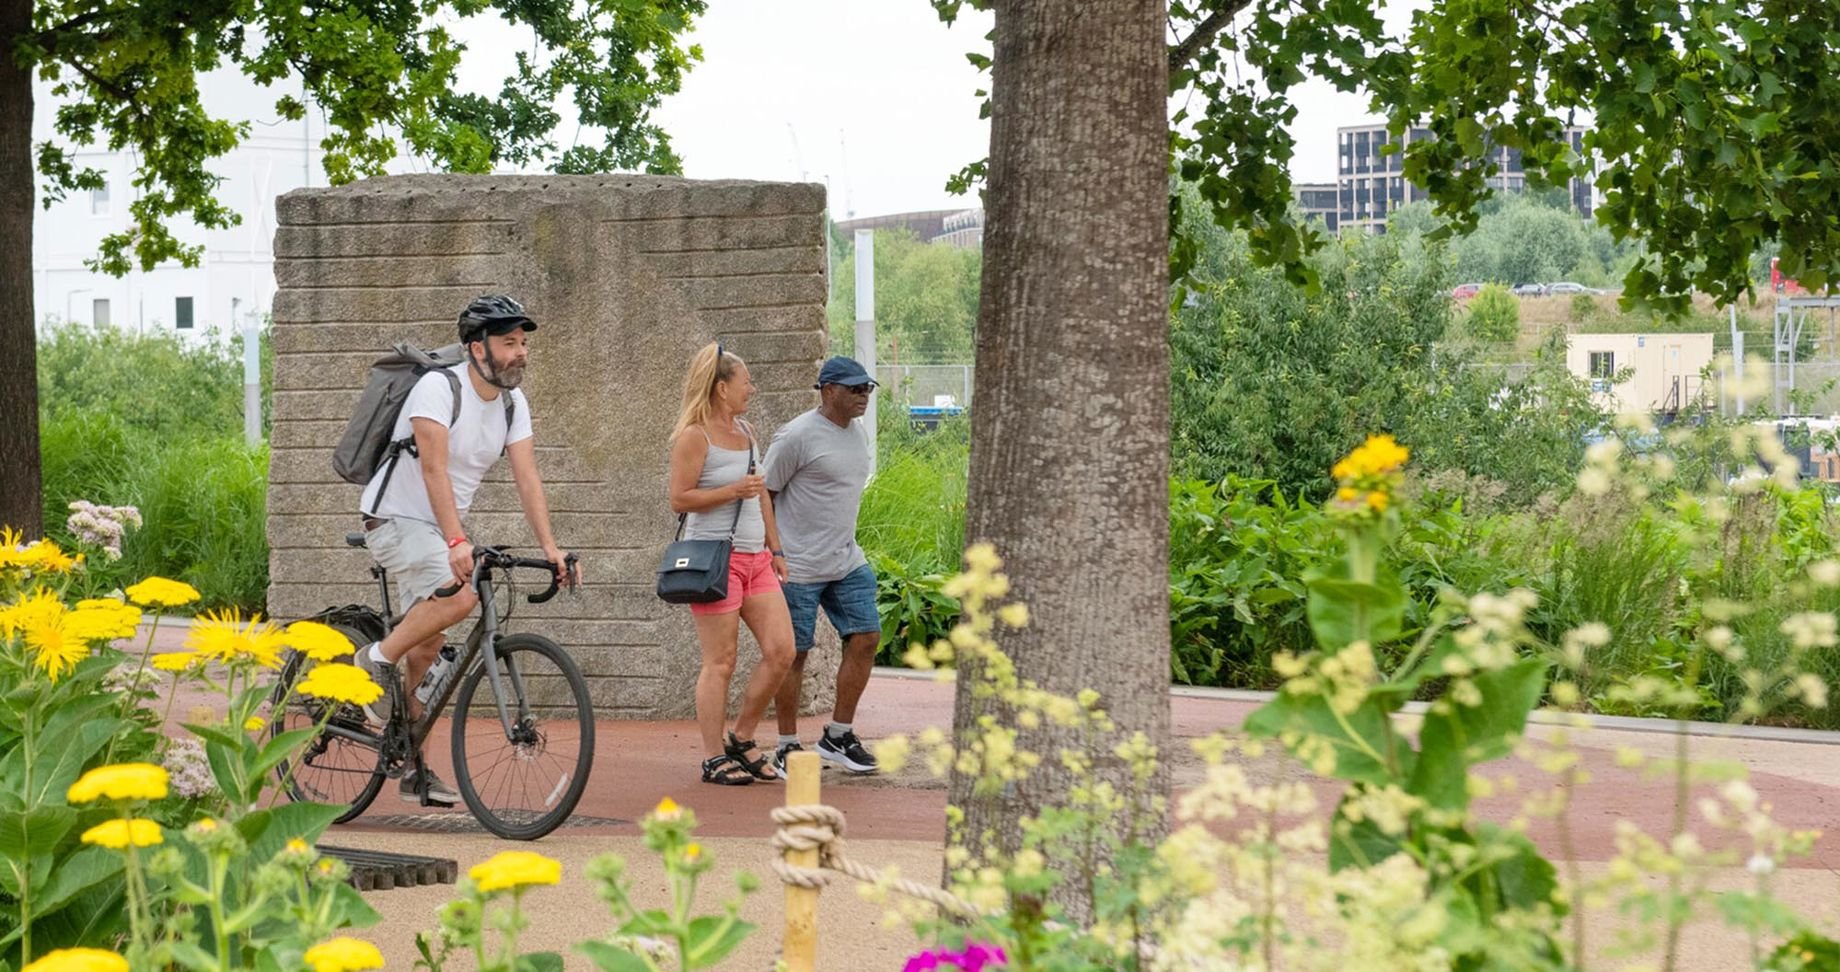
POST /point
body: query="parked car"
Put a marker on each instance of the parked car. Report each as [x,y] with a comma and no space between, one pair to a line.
[1567,287]
[1529,290]
[1465,291]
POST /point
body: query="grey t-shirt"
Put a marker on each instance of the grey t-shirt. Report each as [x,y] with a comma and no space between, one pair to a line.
[817,471]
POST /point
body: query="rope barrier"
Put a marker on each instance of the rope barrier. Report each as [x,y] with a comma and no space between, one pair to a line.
[820,828]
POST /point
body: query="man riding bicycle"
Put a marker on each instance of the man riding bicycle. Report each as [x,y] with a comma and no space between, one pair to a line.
[412,510]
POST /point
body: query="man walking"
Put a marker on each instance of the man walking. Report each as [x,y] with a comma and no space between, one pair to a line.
[412,507]
[815,470]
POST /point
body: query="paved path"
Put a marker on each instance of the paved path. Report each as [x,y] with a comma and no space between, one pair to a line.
[899,818]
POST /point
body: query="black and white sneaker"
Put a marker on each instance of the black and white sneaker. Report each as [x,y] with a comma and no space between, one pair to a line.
[780,754]
[382,673]
[847,751]
[439,793]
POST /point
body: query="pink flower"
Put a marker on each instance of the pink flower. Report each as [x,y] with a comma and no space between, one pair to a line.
[975,958]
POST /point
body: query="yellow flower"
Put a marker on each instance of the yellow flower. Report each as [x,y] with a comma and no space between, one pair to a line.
[1377,501]
[55,648]
[225,637]
[38,608]
[344,954]
[103,621]
[120,781]
[204,825]
[44,557]
[117,834]
[340,683]
[254,724]
[79,960]
[160,592]
[515,869]
[692,852]
[1379,455]
[316,641]
[667,809]
[174,661]
[297,846]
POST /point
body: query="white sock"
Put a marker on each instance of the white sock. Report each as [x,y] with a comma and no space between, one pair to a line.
[785,740]
[837,730]
[377,654]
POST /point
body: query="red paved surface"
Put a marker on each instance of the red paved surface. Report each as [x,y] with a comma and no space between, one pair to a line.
[636,763]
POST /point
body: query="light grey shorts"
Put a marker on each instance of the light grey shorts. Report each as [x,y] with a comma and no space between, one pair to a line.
[415,554]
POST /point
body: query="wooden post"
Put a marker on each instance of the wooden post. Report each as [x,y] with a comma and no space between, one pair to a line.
[800,949]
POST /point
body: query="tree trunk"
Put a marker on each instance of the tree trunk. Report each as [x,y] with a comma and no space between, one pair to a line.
[19,461]
[1070,426]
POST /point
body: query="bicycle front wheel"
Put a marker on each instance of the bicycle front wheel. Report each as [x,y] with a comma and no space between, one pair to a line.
[522,772]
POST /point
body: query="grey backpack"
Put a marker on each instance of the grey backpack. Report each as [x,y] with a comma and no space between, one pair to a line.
[366,445]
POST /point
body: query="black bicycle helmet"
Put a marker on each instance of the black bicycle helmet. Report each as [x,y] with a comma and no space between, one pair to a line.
[493,314]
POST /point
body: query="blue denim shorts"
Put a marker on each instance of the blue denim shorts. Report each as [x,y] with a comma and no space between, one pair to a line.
[848,601]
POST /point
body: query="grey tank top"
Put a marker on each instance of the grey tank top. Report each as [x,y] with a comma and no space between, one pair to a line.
[721,467]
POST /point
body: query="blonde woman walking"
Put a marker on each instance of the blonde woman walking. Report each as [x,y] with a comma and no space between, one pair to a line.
[714,456]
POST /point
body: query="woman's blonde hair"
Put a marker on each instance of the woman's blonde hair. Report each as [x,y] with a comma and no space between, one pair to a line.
[710,366]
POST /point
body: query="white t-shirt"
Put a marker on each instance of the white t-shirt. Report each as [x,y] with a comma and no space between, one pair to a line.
[474,443]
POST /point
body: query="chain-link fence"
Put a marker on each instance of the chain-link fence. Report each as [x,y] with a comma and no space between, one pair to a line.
[928,385]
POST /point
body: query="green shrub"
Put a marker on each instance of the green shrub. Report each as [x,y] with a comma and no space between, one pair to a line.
[155,422]
[1494,315]
[1583,307]
[204,502]
[156,384]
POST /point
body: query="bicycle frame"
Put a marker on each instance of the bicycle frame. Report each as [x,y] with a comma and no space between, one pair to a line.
[482,639]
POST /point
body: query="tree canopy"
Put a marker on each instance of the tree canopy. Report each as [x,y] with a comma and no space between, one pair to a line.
[382,71]
[1714,124]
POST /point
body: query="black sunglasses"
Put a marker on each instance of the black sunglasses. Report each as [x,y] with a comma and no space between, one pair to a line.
[862,389]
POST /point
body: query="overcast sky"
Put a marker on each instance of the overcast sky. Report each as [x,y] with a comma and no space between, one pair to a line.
[874,97]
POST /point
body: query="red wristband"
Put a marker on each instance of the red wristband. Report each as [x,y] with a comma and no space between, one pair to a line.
[453,542]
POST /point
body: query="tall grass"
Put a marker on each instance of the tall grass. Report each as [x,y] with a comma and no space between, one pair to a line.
[203,501]
[156,423]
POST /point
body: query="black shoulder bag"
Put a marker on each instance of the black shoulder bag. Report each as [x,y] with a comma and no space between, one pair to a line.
[696,571]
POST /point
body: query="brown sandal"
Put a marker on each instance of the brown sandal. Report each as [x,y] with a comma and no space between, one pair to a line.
[760,767]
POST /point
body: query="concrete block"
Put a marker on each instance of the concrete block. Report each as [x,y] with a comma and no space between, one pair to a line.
[627,276]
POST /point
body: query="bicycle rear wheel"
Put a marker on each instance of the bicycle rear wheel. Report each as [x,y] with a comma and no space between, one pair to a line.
[343,765]
[523,783]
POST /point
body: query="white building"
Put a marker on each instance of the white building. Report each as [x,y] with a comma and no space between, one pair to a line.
[1663,370]
[234,284]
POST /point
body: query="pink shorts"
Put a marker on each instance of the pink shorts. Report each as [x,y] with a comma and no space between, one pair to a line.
[748,574]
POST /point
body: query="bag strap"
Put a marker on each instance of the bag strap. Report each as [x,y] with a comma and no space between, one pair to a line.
[407,443]
[734,527]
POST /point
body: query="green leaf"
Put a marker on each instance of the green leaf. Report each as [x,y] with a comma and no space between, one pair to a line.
[268,831]
[609,958]
[1525,880]
[1358,845]
[76,874]
[1342,612]
[225,760]
[34,832]
[711,938]
[278,749]
[539,962]
[1359,748]
[1455,737]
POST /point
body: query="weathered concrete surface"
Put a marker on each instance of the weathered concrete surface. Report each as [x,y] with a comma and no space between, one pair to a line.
[627,277]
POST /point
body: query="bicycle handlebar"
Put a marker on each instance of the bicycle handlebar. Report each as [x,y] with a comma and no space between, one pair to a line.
[487,558]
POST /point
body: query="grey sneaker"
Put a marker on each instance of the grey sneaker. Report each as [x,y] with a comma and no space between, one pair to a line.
[383,673]
[780,754]
[438,791]
[847,751]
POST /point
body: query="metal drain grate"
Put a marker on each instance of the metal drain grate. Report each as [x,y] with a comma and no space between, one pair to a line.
[461,822]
